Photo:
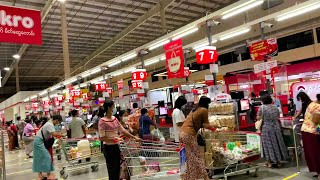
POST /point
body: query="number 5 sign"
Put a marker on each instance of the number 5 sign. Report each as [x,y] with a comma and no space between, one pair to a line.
[206,55]
[139,75]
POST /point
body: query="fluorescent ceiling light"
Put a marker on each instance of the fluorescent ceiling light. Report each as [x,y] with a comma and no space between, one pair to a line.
[158,44]
[83,85]
[117,73]
[298,11]
[69,81]
[45,98]
[204,43]
[85,74]
[130,69]
[129,56]
[43,93]
[6,69]
[234,33]
[33,97]
[152,61]
[162,58]
[16,56]
[114,63]
[26,100]
[185,33]
[55,87]
[241,8]
[96,70]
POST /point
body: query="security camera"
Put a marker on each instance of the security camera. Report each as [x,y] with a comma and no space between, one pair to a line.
[264,24]
[213,23]
[216,22]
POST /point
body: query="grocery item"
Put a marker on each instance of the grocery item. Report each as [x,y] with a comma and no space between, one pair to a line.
[84,148]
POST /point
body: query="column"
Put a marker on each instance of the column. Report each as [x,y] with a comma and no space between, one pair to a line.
[17,77]
[163,17]
[65,43]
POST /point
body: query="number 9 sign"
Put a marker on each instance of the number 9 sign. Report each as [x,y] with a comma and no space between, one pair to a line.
[139,75]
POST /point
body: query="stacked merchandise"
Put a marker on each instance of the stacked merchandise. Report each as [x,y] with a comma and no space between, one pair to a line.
[223,115]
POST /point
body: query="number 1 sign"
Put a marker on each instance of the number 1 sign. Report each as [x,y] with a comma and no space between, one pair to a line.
[206,55]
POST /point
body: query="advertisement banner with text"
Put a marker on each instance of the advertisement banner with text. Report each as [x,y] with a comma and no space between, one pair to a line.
[174,59]
[21,26]
[263,49]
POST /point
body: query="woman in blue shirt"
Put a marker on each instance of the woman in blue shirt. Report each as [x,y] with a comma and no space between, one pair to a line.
[144,123]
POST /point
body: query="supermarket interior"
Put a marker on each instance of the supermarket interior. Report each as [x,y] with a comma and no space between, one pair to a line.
[160,89]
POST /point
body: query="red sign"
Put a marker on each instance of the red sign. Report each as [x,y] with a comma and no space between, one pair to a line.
[101,86]
[137,84]
[85,96]
[57,103]
[21,26]
[59,98]
[206,55]
[46,102]
[28,107]
[70,100]
[101,100]
[186,72]
[109,90]
[263,49]
[35,105]
[174,59]
[120,85]
[75,93]
[139,75]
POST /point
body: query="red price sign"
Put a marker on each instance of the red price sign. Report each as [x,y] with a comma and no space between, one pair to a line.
[206,55]
[28,107]
[85,96]
[59,98]
[46,102]
[70,100]
[139,75]
[101,86]
[137,84]
[186,72]
[75,93]
[35,105]
[57,103]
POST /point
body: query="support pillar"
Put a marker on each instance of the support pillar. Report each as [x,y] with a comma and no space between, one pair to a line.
[209,34]
[65,43]
[17,77]
[163,17]
[262,26]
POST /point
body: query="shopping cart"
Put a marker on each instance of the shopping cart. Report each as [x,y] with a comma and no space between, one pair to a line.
[152,160]
[79,159]
[230,153]
[291,132]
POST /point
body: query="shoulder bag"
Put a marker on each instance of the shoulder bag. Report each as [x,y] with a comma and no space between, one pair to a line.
[47,143]
[200,139]
[258,124]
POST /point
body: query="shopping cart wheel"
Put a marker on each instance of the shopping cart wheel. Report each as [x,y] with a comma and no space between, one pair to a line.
[95,168]
[62,172]
[64,176]
[256,173]
[59,157]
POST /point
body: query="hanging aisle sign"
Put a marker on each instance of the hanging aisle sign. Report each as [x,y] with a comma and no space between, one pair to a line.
[21,26]
[174,59]
[120,84]
[206,55]
[137,84]
[139,75]
[101,86]
[265,49]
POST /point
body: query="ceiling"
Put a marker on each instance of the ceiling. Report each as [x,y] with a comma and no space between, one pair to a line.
[91,24]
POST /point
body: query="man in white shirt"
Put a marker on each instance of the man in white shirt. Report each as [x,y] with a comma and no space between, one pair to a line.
[77,126]
[178,116]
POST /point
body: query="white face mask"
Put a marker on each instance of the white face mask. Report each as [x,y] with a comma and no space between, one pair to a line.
[125,119]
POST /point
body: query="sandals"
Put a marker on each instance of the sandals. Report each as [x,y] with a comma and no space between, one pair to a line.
[268,165]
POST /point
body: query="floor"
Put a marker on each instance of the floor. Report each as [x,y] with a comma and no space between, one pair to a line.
[19,167]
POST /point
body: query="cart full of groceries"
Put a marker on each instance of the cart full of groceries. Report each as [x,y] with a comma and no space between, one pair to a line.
[79,154]
[229,153]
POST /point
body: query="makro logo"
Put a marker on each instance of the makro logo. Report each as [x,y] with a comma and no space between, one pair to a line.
[14,20]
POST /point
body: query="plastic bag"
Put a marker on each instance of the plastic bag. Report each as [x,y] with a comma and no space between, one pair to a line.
[156,133]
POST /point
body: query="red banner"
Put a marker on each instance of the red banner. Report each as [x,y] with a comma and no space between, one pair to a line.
[101,86]
[137,84]
[59,98]
[75,93]
[263,49]
[139,75]
[206,55]
[21,26]
[174,59]
[120,85]
[35,105]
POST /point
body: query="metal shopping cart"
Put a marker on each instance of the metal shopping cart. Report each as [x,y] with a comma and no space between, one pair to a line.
[231,153]
[291,132]
[152,160]
[77,159]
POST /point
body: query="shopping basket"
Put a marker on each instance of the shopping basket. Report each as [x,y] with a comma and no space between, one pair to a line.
[230,153]
[79,158]
[151,160]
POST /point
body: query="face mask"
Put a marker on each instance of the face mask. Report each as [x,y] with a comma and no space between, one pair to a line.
[125,119]
[114,111]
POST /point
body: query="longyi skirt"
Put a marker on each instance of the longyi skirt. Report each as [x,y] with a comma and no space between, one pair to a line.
[311,146]
[41,157]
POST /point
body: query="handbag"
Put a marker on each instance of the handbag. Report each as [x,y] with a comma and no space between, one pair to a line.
[47,143]
[258,124]
[200,139]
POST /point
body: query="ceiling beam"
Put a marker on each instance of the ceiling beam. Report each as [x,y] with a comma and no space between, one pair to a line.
[24,47]
[155,10]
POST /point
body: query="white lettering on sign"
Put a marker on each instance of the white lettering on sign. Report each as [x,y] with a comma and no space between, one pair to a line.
[8,20]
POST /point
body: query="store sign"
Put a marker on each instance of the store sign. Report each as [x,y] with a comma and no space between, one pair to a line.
[120,84]
[20,26]
[209,80]
[75,93]
[70,100]
[57,103]
[101,86]
[59,98]
[266,66]
[206,55]
[139,75]
[46,102]
[35,105]
[186,72]
[85,96]
[312,88]
[174,59]
[101,100]
[28,107]
[263,49]
[137,84]
[76,105]
[140,92]
[109,90]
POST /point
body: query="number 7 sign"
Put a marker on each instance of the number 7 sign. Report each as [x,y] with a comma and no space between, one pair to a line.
[206,55]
